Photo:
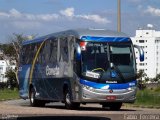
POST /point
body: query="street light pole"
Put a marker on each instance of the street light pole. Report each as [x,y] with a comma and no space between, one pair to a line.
[119,15]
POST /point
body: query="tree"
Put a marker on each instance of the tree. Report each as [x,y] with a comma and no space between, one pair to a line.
[141,74]
[12,50]
[12,82]
[7,49]
[147,79]
[16,42]
[158,77]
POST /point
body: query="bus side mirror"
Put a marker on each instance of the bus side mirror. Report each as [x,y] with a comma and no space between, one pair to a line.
[78,52]
[141,52]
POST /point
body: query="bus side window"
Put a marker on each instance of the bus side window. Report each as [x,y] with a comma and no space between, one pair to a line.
[35,51]
[53,50]
[71,42]
[64,49]
[28,54]
[76,64]
[44,53]
[40,56]
[23,57]
[47,51]
[31,53]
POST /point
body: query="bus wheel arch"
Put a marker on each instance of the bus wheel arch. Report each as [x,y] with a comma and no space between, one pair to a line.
[69,104]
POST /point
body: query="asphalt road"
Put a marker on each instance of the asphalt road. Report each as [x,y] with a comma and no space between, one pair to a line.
[21,110]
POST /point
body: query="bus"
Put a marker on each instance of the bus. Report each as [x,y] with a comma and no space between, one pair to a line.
[78,67]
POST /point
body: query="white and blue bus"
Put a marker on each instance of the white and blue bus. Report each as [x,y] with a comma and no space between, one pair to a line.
[78,67]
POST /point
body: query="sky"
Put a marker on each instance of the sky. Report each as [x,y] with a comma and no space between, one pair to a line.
[42,17]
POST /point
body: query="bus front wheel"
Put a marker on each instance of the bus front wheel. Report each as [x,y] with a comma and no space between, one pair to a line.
[68,102]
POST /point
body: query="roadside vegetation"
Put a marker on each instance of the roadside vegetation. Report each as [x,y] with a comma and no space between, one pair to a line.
[9,90]
[148,97]
[148,94]
[11,51]
[8,94]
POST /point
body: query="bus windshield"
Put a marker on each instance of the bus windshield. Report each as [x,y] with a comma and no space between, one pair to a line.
[97,57]
[94,59]
[122,57]
[123,62]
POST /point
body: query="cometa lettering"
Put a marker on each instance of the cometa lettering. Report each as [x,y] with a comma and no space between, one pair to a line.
[52,71]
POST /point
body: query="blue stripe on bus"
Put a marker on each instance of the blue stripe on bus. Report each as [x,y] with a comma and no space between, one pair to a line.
[110,86]
[105,39]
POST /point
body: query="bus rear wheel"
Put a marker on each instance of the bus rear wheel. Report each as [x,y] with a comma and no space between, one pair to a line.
[68,102]
[33,101]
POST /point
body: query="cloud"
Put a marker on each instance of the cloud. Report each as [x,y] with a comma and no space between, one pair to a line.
[13,20]
[26,24]
[69,12]
[153,11]
[95,18]
[135,1]
[47,17]
[2,14]
[16,15]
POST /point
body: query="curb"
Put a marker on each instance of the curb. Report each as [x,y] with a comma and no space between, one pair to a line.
[141,106]
[2,100]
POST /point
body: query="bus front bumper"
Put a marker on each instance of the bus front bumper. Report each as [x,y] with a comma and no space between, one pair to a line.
[115,95]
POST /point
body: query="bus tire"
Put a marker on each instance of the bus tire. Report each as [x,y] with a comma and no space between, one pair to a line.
[68,102]
[33,101]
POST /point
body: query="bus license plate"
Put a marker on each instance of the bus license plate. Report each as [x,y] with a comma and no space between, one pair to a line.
[111,97]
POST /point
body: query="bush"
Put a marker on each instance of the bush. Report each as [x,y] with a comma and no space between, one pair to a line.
[157,89]
[12,82]
[147,97]
[141,85]
[3,85]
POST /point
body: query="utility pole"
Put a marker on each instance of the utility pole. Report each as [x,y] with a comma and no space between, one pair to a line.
[119,15]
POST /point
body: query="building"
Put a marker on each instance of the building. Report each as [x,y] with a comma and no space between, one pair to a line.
[149,40]
[4,67]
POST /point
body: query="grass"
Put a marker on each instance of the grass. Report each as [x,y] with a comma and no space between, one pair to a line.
[148,98]
[7,94]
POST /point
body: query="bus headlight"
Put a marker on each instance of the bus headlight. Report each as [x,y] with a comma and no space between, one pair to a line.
[88,88]
[131,88]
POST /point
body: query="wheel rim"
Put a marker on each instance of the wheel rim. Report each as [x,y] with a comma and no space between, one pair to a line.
[32,97]
[68,101]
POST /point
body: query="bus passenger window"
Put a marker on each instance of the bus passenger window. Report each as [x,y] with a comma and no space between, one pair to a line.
[64,49]
[53,51]
[47,51]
